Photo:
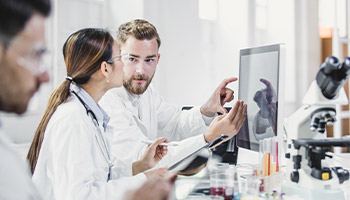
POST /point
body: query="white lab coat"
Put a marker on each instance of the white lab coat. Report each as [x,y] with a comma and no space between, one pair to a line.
[71,164]
[15,176]
[134,118]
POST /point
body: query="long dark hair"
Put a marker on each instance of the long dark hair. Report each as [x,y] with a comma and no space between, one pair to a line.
[83,52]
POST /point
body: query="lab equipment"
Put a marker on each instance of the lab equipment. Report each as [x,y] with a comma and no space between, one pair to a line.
[308,175]
[261,87]
[222,181]
[161,144]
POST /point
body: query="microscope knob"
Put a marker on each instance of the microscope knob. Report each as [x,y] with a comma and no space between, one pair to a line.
[294,176]
[297,160]
[287,155]
[322,127]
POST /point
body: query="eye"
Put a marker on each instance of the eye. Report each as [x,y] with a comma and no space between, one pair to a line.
[132,59]
[149,60]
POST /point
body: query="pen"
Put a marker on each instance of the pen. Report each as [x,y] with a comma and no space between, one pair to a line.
[162,144]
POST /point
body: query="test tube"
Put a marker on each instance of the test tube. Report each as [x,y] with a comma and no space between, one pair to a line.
[273,155]
[267,148]
[261,169]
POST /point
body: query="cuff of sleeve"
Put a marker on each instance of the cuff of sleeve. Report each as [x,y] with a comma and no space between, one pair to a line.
[208,120]
[141,177]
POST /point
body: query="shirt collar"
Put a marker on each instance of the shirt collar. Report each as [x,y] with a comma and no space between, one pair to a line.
[100,114]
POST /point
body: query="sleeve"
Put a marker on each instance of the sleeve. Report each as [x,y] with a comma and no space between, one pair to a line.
[79,172]
[125,137]
[177,124]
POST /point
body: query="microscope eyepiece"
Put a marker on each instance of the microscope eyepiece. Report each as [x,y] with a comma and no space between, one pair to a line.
[345,68]
[332,64]
[332,76]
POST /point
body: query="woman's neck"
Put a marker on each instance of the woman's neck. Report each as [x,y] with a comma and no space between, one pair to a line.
[95,90]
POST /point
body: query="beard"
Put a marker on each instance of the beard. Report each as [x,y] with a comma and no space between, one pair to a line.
[139,88]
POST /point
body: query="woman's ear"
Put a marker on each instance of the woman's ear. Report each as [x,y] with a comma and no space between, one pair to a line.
[105,69]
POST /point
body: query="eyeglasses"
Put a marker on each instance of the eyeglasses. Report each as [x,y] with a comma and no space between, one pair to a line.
[116,58]
[37,61]
[134,60]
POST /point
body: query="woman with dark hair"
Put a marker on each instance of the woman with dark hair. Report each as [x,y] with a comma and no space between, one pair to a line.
[70,156]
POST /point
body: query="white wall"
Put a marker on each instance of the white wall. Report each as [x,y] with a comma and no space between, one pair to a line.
[196,54]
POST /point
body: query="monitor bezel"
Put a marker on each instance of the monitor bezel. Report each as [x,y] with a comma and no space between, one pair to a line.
[280,48]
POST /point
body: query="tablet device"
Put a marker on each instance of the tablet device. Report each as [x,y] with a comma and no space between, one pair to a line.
[197,160]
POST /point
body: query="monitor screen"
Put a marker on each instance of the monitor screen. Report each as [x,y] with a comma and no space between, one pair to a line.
[261,80]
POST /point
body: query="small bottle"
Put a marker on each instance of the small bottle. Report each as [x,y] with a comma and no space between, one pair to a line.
[221,181]
[236,194]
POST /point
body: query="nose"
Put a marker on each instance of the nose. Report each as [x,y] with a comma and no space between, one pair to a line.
[44,77]
[140,67]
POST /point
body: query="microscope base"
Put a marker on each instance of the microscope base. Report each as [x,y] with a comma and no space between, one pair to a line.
[312,194]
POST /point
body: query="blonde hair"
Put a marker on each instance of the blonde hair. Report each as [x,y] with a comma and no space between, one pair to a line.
[138,28]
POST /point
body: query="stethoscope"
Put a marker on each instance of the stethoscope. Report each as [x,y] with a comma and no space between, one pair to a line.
[103,147]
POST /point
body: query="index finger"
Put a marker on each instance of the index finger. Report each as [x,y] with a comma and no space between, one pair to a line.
[157,142]
[225,82]
[266,82]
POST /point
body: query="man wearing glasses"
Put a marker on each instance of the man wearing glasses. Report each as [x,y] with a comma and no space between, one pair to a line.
[22,46]
[138,113]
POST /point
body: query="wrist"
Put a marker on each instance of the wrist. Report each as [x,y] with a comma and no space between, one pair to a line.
[207,137]
[206,113]
[137,167]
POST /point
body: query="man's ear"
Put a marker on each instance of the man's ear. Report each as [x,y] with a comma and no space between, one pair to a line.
[158,56]
[1,50]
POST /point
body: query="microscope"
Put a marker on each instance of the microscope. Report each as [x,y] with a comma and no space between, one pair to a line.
[308,175]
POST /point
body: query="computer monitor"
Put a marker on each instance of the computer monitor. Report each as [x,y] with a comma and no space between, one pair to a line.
[261,87]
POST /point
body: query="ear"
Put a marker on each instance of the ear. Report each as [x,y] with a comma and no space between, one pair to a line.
[105,69]
[1,50]
[158,56]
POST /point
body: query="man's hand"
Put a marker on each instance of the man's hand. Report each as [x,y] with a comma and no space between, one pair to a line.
[221,95]
[153,154]
[228,124]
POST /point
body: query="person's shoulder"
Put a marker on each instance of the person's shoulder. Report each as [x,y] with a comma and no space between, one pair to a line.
[70,115]
[14,173]
[113,99]
[70,110]
[150,93]
[119,92]
[71,106]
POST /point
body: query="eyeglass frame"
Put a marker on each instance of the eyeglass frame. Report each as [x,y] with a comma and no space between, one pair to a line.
[118,57]
[127,55]
[38,54]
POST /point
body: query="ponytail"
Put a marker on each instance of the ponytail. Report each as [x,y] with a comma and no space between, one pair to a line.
[59,96]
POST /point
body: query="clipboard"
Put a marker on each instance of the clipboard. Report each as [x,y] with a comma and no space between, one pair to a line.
[197,160]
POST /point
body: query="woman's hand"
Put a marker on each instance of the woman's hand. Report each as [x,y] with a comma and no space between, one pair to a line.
[156,188]
[153,154]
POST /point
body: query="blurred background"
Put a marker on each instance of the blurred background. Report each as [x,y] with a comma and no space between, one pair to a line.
[200,47]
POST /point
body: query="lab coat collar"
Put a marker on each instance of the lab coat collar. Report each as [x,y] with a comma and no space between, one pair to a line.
[134,98]
[101,115]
